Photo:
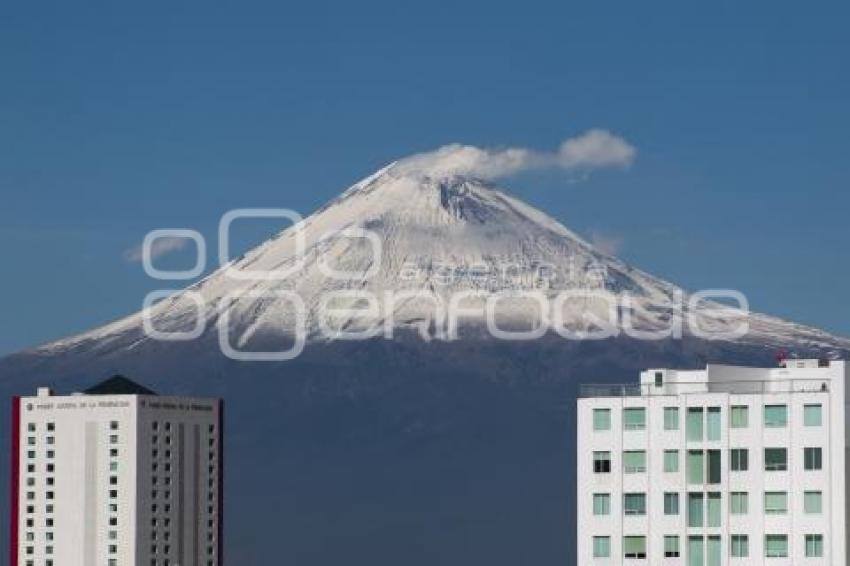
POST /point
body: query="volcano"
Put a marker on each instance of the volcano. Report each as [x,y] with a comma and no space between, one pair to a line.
[428,439]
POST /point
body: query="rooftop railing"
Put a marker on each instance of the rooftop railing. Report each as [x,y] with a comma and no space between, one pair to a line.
[672,388]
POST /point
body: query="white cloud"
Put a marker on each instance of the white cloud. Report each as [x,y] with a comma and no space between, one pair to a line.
[160,247]
[594,149]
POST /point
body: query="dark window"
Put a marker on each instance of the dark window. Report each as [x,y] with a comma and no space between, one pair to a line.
[602,462]
[813,458]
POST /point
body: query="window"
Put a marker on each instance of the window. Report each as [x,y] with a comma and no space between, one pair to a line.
[775,502]
[601,462]
[714,511]
[776,546]
[739,416]
[671,503]
[775,416]
[739,546]
[601,419]
[813,502]
[634,461]
[634,418]
[775,459]
[695,467]
[814,546]
[671,460]
[671,418]
[696,550]
[813,458]
[601,504]
[671,546]
[693,424]
[696,510]
[634,504]
[659,379]
[634,547]
[712,420]
[739,503]
[601,547]
[739,459]
[713,553]
[713,467]
[812,415]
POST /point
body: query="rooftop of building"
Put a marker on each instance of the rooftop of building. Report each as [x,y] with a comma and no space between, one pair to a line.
[115,385]
[118,385]
[789,376]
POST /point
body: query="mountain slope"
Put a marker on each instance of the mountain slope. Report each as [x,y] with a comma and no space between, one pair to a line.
[432,238]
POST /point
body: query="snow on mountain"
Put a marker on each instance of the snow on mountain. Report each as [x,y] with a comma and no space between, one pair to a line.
[429,238]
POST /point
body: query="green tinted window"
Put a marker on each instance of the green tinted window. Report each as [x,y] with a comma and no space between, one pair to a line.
[776,546]
[634,418]
[775,502]
[712,420]
[695,467]
[634,504]
[775,416]
[693,424]
[671,460]
[713,554]
[634,547]
[813,502]
[696,510]
[714,511]
[814,546]
[671,503]
[739,416]
[812,415]
[601,419]
[696,551]
[634,461]
[739,503]
[671,546]
[601,504]
[740,546]
[671,418]
[601,547]
[738,459]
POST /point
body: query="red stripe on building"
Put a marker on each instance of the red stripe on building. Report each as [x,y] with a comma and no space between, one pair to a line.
[220,483]
[15,481]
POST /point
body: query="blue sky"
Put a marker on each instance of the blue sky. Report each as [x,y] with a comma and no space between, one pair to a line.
[118,119]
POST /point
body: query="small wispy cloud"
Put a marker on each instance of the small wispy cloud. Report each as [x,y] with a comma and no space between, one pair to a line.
[592,150]
[605,243]
[160,247]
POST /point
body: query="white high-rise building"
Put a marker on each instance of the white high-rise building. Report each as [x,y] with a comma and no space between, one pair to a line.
[721,466]
[116,476]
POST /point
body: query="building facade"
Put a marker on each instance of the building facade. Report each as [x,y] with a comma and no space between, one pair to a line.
[116,476]
[721,466]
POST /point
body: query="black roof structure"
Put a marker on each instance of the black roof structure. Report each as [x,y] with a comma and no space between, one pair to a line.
[118,385]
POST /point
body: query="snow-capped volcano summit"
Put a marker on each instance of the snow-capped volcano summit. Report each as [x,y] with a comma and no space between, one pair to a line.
[400,245]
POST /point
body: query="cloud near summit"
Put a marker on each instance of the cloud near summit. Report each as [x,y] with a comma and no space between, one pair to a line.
[594,149]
